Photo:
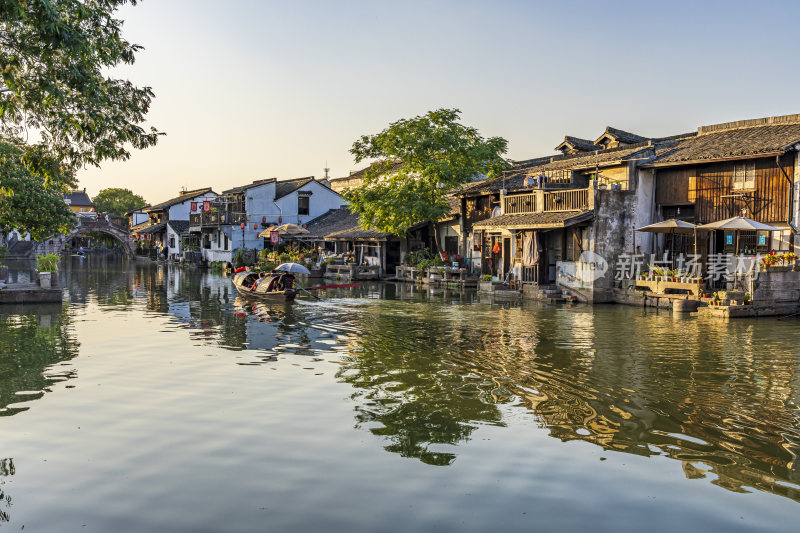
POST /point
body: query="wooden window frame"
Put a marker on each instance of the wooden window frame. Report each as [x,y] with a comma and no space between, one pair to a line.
[744,175]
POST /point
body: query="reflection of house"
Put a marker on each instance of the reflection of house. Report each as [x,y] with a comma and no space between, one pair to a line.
[79,201]
[235,219]
[154,230]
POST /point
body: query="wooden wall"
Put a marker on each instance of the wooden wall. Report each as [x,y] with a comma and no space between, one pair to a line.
[476,208]
[710,187]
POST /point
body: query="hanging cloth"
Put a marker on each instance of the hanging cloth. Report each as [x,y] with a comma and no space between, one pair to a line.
[530,252]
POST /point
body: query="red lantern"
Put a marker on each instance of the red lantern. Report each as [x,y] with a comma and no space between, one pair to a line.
[255,226]
[280,220]
[242,225]
[263,219]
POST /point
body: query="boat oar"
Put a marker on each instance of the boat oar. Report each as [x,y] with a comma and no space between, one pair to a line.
[310,294]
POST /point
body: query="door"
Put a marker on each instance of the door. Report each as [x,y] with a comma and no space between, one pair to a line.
[506,256]
[392,256]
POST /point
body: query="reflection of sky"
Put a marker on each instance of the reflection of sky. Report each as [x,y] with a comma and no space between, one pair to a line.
[520,401]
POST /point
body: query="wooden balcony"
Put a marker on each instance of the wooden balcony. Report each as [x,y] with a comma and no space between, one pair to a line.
[540,201]
[217,218]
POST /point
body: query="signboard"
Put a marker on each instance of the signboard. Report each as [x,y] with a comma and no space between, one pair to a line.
[729,238]
[194,207]
[206,206]
[274,238]
[762,239]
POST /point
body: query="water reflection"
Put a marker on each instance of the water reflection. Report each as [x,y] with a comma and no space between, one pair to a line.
[427,368]
[36,343]
[7,469]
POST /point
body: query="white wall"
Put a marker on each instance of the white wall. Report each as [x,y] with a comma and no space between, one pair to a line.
[258,203]
[173,250]
[321,201]
[644,204]
[182,210]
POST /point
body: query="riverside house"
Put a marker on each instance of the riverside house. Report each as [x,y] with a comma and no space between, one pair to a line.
[563,222]
[155,229]
[235,219]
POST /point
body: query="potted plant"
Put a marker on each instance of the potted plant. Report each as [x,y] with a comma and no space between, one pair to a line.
[747,299]
[46,264]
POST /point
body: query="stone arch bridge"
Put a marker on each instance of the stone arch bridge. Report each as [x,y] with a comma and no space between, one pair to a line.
[58,245]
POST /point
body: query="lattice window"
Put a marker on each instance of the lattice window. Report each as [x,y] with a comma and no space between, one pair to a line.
[744,175]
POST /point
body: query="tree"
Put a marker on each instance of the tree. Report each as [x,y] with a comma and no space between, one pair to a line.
[115,201]
[31,206]
[418,161]
[53,56]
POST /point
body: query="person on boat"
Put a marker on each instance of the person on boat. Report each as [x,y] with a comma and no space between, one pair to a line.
[257,281]
[80,250]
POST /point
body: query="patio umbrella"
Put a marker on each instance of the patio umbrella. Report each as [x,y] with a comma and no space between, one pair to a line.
[669,226]
[284,230]
[738,224]
[294,268]
[673,226]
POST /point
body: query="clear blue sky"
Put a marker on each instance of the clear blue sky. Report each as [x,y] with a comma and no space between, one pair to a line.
[254,89]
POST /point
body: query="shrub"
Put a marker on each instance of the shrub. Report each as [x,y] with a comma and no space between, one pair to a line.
[486,277]
[47,263]
[238,258]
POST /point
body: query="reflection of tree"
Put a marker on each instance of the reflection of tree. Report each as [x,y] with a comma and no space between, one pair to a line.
[7,469]
[31,342]
[406,390]
[712,399]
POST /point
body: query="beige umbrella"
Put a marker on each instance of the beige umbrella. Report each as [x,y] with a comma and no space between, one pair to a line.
[673,226]
[738,224]
[285,229]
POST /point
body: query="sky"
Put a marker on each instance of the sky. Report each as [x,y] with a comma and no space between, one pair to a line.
[248,90]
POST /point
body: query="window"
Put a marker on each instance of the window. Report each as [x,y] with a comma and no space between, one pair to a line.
[226,242]
[303,205]
[744,175]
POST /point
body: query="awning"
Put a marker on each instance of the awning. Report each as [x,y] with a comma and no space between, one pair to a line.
[555,220]
[155,228]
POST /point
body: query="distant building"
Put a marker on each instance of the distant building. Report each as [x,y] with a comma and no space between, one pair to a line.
[257,206]
[79,201]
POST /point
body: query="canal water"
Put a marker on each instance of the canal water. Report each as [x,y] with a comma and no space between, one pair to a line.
[155,399]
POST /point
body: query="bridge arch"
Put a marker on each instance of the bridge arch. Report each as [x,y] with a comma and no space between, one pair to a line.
[122,235]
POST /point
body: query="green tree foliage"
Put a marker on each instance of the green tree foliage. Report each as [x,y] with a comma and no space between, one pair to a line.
[115,201]
[31,206]
[418,161]
[57,103]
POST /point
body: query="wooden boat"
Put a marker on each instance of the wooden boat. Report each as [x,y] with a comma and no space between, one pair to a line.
[266,289]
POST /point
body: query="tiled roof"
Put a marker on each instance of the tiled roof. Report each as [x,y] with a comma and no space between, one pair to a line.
[621,136]
[340,224]
[282,188]
[515,177]
[180,226]
[187,195]
[155,228]
[243,188]
[560,219]
[732,140]
[600,157]
[576,143]
[360,173]
[78,198]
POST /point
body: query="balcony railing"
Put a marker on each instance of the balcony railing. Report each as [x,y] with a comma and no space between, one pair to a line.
[217,218]
[543,201]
